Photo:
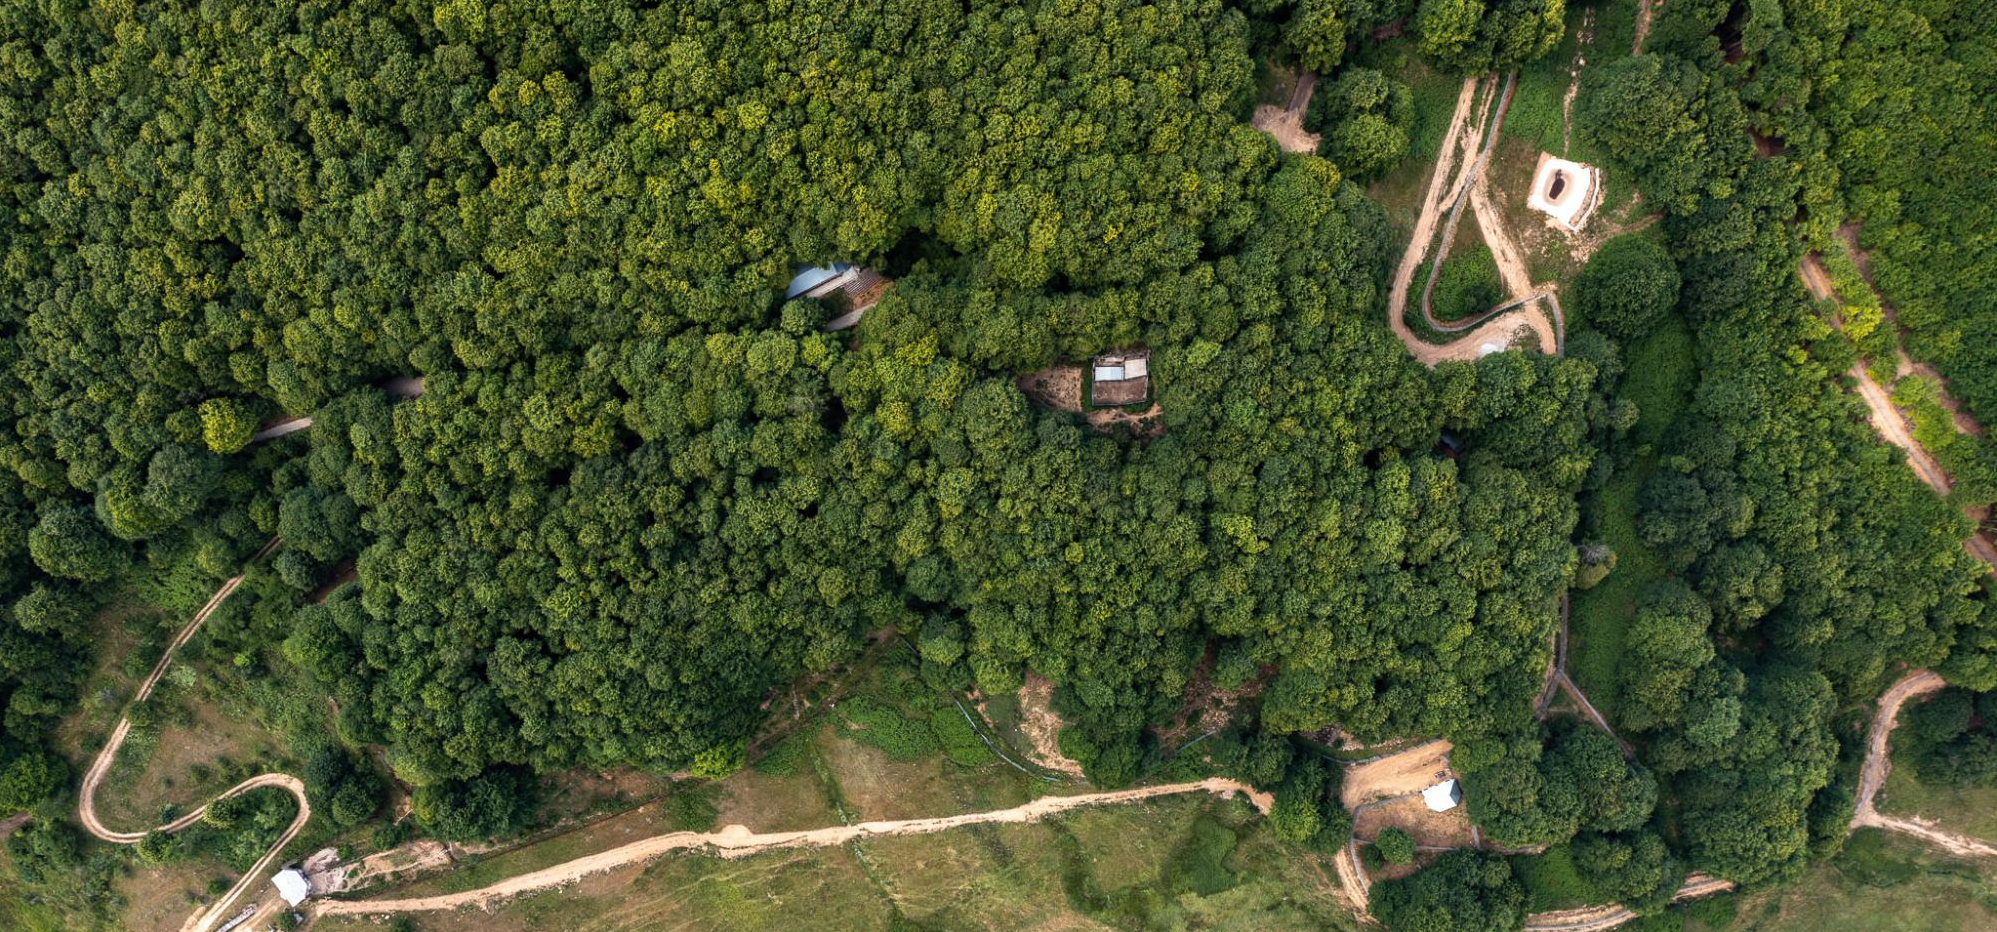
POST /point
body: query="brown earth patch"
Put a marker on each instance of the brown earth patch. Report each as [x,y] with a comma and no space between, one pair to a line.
[1042,726]
[1428,828]
[1409,771]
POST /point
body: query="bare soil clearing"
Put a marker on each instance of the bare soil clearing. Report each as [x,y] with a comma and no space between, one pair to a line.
[1428,828]
[1879,762]
[1409,771]
[737,841]
[1042,727]
[1286,123]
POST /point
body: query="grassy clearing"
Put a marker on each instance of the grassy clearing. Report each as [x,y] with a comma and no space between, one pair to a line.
[1880,883]
[1971,811]
[1175,863]
[1659,380]
[203,744]
[1399,192]
[1550,880]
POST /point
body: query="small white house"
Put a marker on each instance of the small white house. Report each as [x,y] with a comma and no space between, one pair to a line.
[1443,796]
[292,886]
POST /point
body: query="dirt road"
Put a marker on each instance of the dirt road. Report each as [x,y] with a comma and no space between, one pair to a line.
[1645,9]
[1596,918]
[86,809]
[1887,421]
[1879,763]
[736,841]
[1465,144]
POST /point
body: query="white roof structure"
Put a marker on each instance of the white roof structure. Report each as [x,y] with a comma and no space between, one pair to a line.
[292,886]
[1443,796]
[1109,373]
[809,280]
[1566,191]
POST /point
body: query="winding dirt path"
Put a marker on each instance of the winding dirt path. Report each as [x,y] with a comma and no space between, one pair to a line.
[736,841]
[1879,763]
[86,808]
[1468,143]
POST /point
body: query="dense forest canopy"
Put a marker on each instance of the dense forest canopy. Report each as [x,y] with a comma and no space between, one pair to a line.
[639,492]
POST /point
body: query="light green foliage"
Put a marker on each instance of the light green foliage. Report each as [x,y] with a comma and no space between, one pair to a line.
[1364,117]
[227,424]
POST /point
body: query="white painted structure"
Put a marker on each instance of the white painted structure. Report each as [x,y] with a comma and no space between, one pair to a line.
[1565,191]
[816,283]
[292,886]
[1443,796]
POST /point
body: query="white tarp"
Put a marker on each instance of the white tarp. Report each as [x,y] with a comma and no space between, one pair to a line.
[1442,797]
[292,886]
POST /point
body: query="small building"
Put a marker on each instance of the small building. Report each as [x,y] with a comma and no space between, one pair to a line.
[1121,378]
[292,887]
[850,288]
[817,282]
[1565,191]
[1443,796]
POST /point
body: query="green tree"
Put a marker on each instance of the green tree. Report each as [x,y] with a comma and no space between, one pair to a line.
[1628,285]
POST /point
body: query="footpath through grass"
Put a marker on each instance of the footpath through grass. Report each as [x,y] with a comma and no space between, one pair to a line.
[1179,862]
[1879,883]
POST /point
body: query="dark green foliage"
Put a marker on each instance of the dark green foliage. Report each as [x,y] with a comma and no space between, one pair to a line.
[1551,880]
[1395,846]
[1199,866]
[1463,891]
[1951,738]
[1524,792]
[1307,808]
[875,725]
[1681,135]
[1634,869]
[492,804]
[1467,286]
[1627,285]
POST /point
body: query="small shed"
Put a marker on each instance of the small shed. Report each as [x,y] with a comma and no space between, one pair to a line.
[292,886]
[1121,378]
[1443,796]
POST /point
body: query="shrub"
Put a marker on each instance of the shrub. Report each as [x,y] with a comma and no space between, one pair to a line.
[1468,285]
[1395,846]
[1626,287]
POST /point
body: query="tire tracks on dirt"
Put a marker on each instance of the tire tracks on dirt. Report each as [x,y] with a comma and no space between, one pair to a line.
[1879,764]
[736,841]
[1469,142]
[86,808]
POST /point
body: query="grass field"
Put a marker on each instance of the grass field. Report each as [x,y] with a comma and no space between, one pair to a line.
[1971,811]
[1880,883]
[1182,862]
[1174,863]
[1660,380]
